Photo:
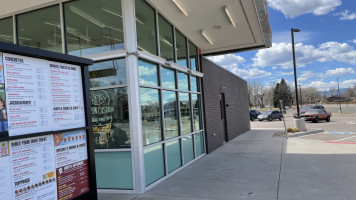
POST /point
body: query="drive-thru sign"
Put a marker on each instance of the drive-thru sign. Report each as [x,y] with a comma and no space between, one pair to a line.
[46,150]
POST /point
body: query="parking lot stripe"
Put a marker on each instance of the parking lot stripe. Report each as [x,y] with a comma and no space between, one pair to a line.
[341,142]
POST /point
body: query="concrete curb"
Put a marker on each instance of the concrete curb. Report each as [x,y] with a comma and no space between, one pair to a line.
[315,131]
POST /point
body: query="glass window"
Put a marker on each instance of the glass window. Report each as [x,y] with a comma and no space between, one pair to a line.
[168,78]
[188,149]
[147,73]
[199,143]
[193,56]
[185,124]
[151,117]
[182,81]
[154,164]
[110,117]
[181,43]
[194,84]
[170,113]
[40,29]
[113,170]
[6,30]
[196,112]
[146,27]
[173,155]
[166,39]
[93,26]
[112,72]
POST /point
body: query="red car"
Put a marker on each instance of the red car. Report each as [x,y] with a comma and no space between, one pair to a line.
[305,108]
[315,115]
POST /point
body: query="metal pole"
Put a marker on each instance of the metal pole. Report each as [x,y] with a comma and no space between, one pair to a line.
[301,97]
[338,90]
[295,71]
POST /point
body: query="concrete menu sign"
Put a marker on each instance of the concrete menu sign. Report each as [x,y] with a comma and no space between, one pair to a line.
[42,95]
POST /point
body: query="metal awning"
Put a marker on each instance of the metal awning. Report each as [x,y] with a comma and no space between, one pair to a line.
[208,23]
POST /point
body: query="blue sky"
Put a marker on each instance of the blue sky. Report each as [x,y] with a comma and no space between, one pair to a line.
[325,47]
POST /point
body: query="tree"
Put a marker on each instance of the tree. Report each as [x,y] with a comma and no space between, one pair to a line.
[332,90]
[282,91]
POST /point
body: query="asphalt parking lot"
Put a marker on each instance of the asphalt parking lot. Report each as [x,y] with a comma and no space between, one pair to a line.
[343,122]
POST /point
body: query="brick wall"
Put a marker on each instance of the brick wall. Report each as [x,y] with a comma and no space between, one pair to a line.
[237,112]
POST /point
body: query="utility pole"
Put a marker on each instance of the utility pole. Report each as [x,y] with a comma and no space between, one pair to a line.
[292,30]
[338,90]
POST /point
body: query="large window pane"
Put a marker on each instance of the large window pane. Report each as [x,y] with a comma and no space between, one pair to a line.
[194,84]
[166,39]
[173,156]
[181,43]
[113,170]
[151,117]
[196,112]
[146,27]
[170,113]
[6,30]
[188,151]
[185,124]
[193,57]
[40,29]
[110,116]
[93,26]
[154,164]
[112,72]
[147,73]
[199,144]
[182,81]
[168,79]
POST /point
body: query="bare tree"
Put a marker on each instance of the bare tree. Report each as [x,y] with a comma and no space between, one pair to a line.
[332,91]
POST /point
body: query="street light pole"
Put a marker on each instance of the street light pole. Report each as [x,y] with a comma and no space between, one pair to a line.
[338,90]
[292,30]
[301,97]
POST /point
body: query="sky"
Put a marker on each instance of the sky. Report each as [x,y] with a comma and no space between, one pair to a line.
[325,47]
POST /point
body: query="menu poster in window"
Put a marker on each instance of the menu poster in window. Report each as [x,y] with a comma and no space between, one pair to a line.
[33,168]
[72,164]
[28,97]
[67,96]
[5,176]
[3,113]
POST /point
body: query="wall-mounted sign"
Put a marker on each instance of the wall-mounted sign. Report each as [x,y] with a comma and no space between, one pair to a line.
[41,95]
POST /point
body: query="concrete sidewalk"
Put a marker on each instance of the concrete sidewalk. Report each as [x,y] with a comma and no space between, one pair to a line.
[248,168]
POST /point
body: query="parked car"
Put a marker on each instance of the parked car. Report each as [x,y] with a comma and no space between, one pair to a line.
[316,114]
[254,114]
[270,115]
[305,108]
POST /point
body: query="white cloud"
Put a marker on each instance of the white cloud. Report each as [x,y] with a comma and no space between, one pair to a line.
[339,72]
[274,67]
[321,85]
[346,15]
[227,60]
[306,75]
[146,71]
[281,54]
[354,41]
[250,73]
[295,8]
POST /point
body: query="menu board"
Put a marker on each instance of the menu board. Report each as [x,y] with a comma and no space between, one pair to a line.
[33,168]
[42,95]
[5,176]
[71,164]
[3,113]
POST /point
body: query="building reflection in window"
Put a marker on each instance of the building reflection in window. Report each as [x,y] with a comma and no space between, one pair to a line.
[170,114]
[185,113]
[151,117]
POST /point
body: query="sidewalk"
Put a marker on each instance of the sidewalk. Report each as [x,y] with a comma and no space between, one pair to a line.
[248,168]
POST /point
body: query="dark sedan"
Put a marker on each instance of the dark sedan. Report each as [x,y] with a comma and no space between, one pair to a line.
[254,114]
[270,115]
